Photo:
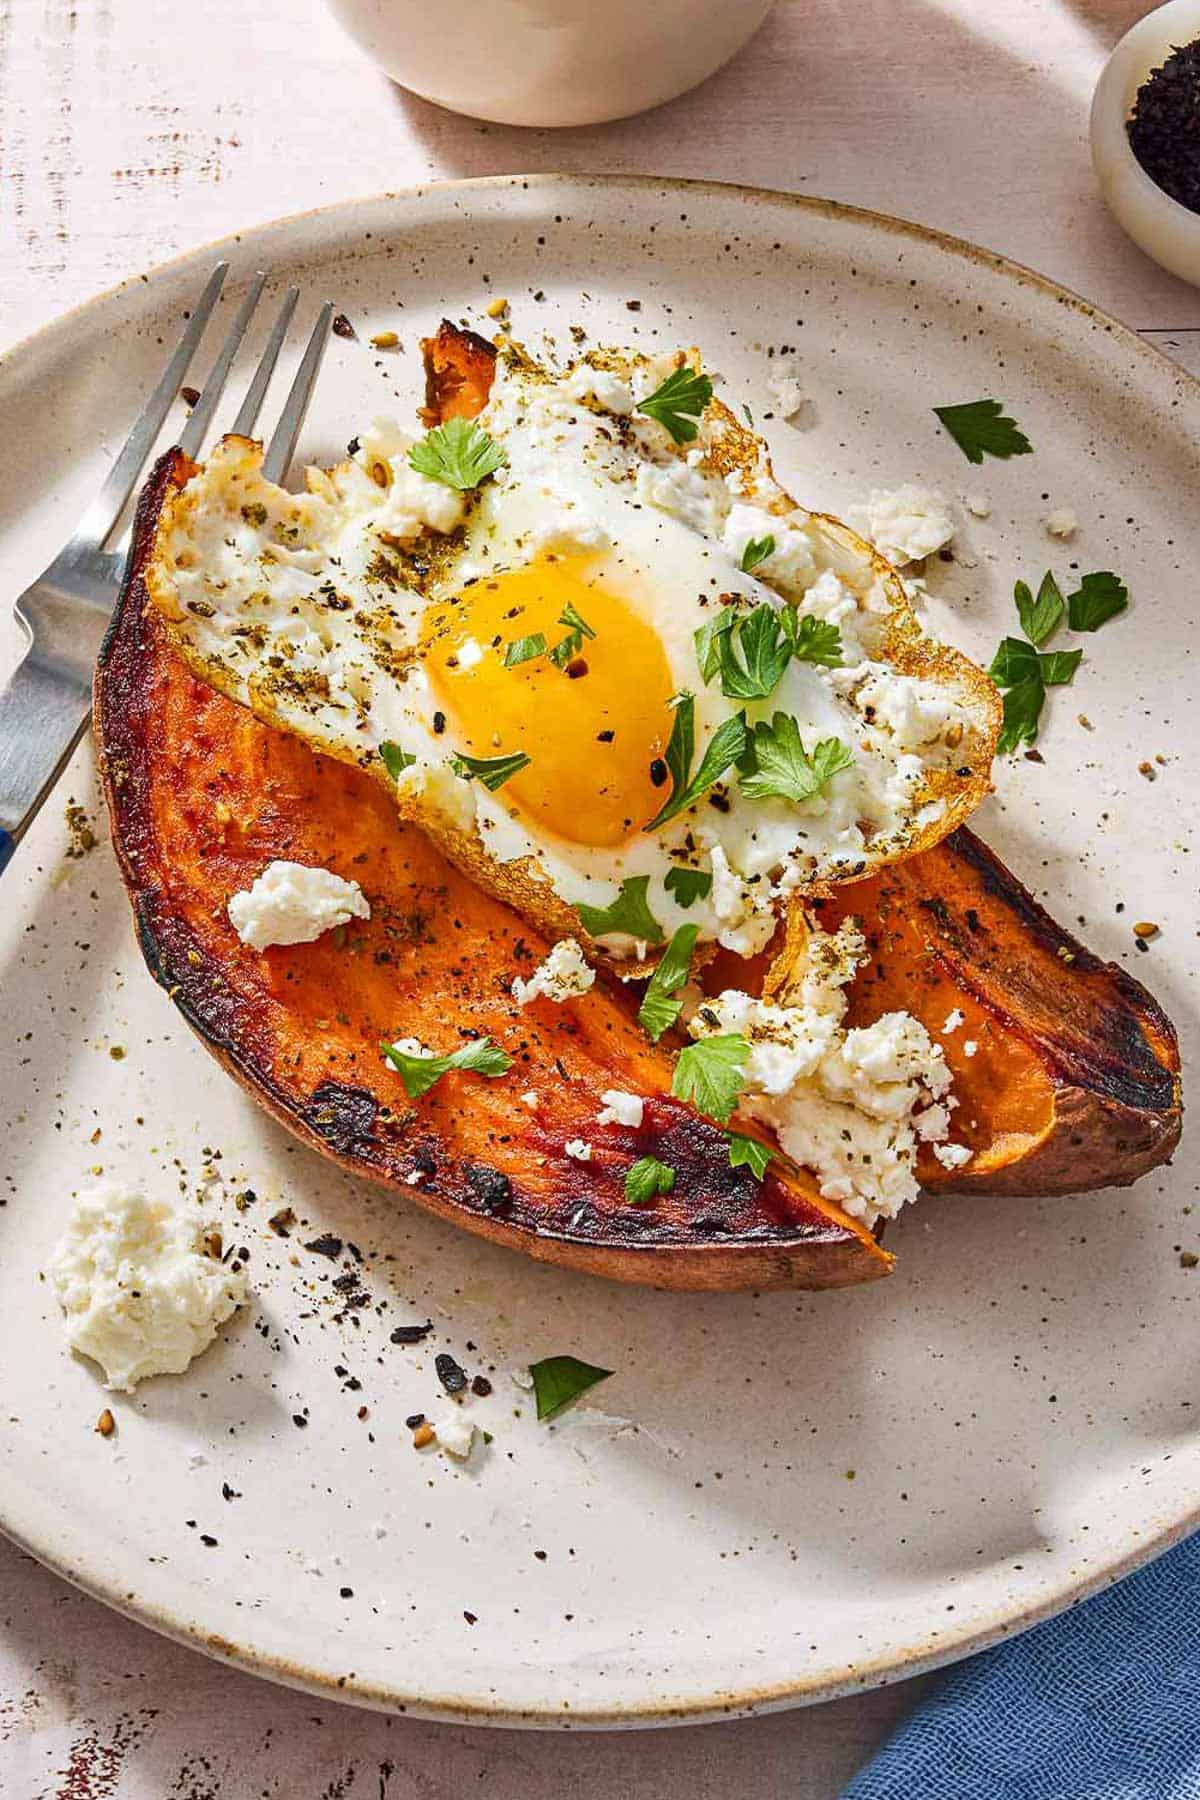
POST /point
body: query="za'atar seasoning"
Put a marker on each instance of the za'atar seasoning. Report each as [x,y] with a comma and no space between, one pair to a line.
[1164,129]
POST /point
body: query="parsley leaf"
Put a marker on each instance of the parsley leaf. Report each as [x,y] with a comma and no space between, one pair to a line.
[776,763]
[753,654]
[727,743]
[981,428]
[525,649]
[813,640]
[419,1073]
[710,1074]
[460,454]
[1022,710]
[708,642]
[1041,617]
[756,551]
[1058,666]
[1097,599]
[1015,661]
[748,1153]
[688,885]
[629,914]
[678,403]
[557,1380]
[570,646]
[493,771]
[395,760]
[660,1009]
[647,1179]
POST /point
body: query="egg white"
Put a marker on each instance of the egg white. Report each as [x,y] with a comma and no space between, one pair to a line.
[308,608]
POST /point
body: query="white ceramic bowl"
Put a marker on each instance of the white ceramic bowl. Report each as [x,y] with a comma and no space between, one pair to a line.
[551,62]
[1160,226]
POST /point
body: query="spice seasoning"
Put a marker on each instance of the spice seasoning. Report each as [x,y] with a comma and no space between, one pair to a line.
[1164,130]
[451,1374]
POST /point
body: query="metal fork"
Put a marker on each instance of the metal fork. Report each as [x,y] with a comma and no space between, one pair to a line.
[46,704]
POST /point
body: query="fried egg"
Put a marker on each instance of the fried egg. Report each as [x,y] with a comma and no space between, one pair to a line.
[524,659]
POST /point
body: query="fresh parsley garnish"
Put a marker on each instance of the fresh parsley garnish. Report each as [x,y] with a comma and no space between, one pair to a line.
[688,885]
[523,650]
[1039,618]
[660,1007]
[756,551]
[1022,710]
[748,1153]
[1097,599]
[557,1380]
[493,771]
[577,629]
[750,651]
[710,1074]
[419,1073]
[981,428]
[395,760]
[647,1179]
[776,764]
[1024,671]
[725,746]
[460,454]
[629,914]
[1058,666]
[678,403]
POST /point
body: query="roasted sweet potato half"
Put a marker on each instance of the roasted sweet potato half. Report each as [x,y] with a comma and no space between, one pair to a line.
[1066,1069]
[202,796]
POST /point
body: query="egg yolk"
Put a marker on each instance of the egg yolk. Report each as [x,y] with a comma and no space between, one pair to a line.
[594,730]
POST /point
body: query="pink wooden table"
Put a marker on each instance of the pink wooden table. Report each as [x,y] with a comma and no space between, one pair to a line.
[130,130]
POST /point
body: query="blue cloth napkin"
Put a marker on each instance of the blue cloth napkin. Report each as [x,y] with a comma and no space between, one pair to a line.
[1101,1703]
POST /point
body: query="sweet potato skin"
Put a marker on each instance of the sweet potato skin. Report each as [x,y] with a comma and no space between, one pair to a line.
[1075,1080]
[202,796]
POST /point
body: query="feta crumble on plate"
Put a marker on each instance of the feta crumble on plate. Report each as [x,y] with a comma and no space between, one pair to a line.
[140,1294]
[905,524]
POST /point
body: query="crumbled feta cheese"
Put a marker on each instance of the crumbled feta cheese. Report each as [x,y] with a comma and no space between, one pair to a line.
[620,1109]
[140,1294]
[953,1021]
[603,387]
[521,1377]
[905,524]
[531,1098]
[1062,522]
[851,1105]
[952,1156]
[978,505]
[291,903]
[412,502]
[578,1150]
[790,564]
[455,1434]
[469,654]
[563,975]
[562,527]
[970,1047]
[745,914]
[916,712]
[783,383]
[685,493]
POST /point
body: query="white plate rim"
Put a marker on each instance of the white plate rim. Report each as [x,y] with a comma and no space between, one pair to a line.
[20,1528]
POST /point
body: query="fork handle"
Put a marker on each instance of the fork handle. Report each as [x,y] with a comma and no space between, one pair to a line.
[43,711]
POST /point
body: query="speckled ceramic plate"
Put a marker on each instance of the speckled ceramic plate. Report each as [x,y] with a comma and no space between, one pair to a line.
[774,1499]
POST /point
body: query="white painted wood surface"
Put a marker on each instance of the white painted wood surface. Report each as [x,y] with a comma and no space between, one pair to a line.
[130,130]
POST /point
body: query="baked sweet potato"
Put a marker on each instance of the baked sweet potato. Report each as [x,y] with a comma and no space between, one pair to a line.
[1065,1068]
[202,796]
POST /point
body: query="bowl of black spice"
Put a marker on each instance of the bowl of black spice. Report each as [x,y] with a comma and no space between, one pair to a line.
[1146,135]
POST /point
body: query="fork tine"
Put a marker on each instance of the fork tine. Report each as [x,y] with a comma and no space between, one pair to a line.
[117,486]
[251,406]
[283,442]
[214,387]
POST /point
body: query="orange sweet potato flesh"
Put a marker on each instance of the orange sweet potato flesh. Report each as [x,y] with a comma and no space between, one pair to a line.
[1074,1083]
[203,796]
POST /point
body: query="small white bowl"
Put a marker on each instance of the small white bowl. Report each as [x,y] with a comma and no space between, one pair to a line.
[1165,230]
[550,62]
